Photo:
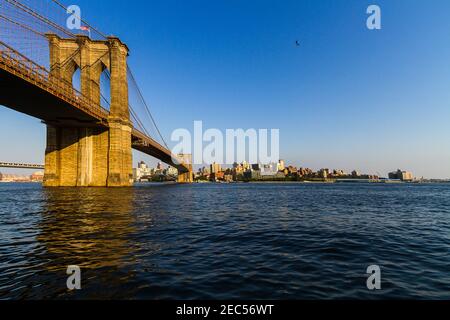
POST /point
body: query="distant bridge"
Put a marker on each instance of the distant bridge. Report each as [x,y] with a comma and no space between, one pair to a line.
[21,165]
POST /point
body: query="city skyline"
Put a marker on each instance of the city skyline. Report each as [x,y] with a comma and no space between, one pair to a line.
[386,100]
[274,171]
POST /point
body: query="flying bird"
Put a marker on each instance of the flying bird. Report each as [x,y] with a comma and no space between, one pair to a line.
[297,43]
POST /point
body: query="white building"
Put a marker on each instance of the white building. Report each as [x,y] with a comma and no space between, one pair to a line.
[269,169]
[281,165]
[171,171]
[141,171]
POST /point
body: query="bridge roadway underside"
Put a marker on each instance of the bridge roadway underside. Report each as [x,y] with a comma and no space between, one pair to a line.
[20,95]
[80,151]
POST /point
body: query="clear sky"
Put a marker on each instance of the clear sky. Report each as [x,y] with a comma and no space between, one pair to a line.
[347,97]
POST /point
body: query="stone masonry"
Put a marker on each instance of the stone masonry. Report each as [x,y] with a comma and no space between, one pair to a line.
[90,155]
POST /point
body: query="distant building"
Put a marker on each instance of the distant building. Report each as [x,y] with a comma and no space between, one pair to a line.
[281,165]
[274,176]
[401,175]
[355,174]
[324,173]
[392,175]
[216,168]
[338,173]
[269,169]
[245,165]
[217,176]
[171,171]
[37,176]
[252,175]
[141,171]
[14,178]
[238,170]
[305,172]
[228,178]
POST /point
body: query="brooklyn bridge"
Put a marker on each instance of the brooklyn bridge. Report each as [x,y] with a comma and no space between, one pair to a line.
[90,131]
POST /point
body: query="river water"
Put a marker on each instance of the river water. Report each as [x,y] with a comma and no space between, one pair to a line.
[226,241]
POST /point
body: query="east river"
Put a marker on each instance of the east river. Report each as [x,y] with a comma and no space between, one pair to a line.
[226,241]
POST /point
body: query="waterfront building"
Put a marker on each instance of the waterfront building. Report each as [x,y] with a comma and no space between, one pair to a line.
[274,176]
[355,174]
[338,173]
[281,165]
[304,172]
[228,177]
[401,175]
[269,169]
[203,174]
[292,170]
[217,176]
[14,178]
[141,171]
[393,175]
[215,168]
[324,173]
[238,168]
[238,173]
[171,171]
[246,166]
[252,175]
[37,176]
[204,171]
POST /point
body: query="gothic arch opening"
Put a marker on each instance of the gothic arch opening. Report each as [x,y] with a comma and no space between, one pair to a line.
[105,88]
[76,79]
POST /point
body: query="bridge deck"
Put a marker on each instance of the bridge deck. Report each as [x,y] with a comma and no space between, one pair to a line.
[147,145]
[21,165]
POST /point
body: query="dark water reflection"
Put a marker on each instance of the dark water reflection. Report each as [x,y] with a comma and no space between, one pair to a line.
[225,241]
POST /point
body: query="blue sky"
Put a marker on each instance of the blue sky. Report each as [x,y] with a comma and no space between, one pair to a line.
[347,98]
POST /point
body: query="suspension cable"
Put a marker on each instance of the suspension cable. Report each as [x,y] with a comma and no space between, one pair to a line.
[32,12]
[145,105]
[132,112]
[22,25]
[84,21]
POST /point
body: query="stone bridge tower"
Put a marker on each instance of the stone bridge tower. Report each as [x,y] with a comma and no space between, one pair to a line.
[87,154]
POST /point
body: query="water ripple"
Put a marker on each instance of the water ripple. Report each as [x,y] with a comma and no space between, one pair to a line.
[266,241]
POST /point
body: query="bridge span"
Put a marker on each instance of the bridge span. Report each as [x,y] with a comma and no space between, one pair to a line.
[21,165]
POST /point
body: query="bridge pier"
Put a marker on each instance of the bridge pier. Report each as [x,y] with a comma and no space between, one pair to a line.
[186,177]
[120,162]
[88,157]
